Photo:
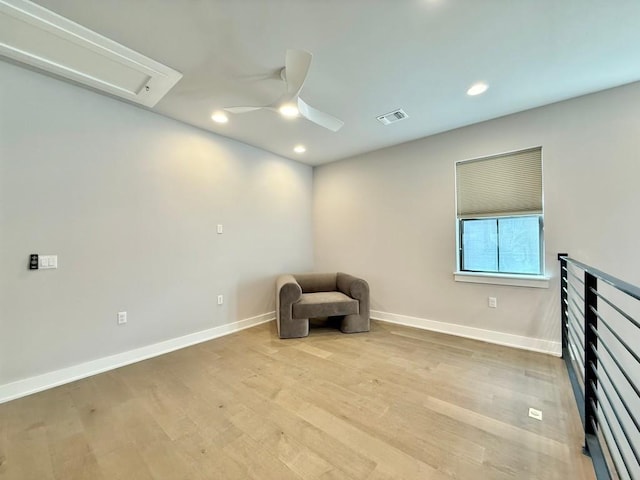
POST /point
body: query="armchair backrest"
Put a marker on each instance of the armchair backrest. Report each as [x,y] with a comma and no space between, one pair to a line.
[317,282]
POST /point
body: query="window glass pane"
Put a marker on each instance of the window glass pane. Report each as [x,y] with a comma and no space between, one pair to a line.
[519,244]
[479,245]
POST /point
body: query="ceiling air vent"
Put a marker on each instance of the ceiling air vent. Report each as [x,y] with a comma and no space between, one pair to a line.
[392,117]
[40,38]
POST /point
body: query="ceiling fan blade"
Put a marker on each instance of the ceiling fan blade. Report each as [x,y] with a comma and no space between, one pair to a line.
[241,109]
[316,116]
[296,67]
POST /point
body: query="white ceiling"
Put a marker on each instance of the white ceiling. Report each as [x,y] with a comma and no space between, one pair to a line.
[370,57]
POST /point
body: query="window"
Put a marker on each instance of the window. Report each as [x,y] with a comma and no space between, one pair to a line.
[500,218]
[502,245]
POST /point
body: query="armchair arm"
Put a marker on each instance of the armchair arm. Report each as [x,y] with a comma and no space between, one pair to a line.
[358,289]
[288,292]
[354,287]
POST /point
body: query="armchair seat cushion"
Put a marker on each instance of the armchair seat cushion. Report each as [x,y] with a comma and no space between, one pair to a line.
[324,304]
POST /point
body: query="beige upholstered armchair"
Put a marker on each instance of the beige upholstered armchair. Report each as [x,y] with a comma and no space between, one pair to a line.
[300,297]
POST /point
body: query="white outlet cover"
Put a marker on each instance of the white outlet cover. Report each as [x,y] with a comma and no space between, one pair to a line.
[220,299]
[536,414]
[220,228]
[122,318]
[493,302]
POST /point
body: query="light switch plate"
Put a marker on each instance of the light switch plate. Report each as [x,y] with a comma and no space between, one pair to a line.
[47,261]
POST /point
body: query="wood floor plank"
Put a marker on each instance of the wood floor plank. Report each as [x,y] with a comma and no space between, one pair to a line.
[389,459]
[394,403]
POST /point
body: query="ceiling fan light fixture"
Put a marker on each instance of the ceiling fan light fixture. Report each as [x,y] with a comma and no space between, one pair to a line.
[289,110]
[477,89]
[290,105]
[219,117]
[299,149]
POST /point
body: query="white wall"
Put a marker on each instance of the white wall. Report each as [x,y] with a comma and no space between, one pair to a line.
[389,215]
[129,201]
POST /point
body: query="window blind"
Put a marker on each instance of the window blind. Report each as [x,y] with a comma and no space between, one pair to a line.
[508,184]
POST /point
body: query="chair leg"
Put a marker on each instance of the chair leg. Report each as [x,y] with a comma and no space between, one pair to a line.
[355,324]
[294,328]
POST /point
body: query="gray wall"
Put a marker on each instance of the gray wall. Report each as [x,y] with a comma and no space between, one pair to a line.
[129,201]
[389,215]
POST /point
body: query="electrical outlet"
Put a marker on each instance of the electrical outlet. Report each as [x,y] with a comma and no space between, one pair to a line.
[220,299]
[220,228]
[537,414]
[122,318]
[493,302]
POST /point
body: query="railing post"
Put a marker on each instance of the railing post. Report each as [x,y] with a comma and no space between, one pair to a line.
[590,339]
[564,287]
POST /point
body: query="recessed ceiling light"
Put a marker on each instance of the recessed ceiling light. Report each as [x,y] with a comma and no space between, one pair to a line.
[477,89]
[289,110]
[299,149]
[220,117]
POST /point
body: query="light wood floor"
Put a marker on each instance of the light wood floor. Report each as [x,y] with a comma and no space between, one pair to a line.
[395,403]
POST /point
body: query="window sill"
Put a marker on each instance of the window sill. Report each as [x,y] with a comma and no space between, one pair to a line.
[532,281]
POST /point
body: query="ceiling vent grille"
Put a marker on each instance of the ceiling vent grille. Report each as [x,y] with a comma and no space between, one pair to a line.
[392,117]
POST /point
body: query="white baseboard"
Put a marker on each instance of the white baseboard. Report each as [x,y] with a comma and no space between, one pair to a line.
[507,339]
[27,386]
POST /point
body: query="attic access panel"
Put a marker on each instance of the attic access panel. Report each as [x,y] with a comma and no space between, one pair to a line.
[40,38]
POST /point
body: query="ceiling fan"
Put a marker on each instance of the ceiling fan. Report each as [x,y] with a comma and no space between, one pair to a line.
[294,73]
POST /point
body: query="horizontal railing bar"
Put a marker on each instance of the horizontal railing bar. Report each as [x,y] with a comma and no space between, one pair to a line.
[580,369]
[621,285]
[577,292]
[581,281]
[578,350]
[578,359]
[575,320]
[578,329]
[578,333]
[578,365]
[575,304]
[615,389]
[577,342]
[617,309]
[577,385]
[616,335]
[606,440]
[615,360]
[617,417]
